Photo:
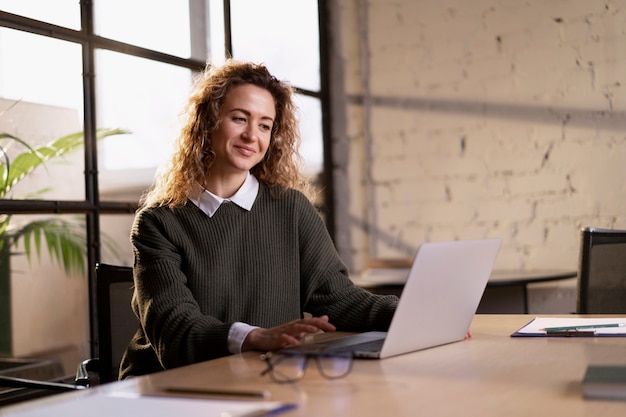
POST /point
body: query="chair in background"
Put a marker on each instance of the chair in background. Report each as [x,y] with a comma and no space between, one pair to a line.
[116,326]
[117,323]
[602,272]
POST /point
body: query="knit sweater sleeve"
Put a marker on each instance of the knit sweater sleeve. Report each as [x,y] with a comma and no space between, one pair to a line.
[174,329]
[327,286]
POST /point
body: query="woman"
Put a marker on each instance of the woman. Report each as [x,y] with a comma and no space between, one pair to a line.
[229,252]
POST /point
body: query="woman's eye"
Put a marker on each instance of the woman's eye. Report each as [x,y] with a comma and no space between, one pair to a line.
[266,128]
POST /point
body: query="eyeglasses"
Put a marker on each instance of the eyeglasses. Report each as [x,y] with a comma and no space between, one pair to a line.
[289,367]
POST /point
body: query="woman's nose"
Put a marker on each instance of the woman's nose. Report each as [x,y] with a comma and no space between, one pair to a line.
[249,133]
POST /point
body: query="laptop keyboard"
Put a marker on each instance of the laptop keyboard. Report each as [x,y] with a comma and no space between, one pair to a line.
[370,346]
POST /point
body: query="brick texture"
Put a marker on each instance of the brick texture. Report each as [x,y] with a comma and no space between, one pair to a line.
[483,118]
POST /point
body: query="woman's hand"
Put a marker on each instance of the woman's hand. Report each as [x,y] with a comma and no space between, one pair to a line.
[286,334]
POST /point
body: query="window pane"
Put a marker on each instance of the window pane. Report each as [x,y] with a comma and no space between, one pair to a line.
[40,70]
[55,313]
[116,247]
[41,101]
[311,131]
[283,34]
[58,12]
[217,41]
[162,26]
[145,98]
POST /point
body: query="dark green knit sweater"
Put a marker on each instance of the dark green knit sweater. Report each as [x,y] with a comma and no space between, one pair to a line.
[195,275]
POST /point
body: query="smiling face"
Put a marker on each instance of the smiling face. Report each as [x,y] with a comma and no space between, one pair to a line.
[243,135]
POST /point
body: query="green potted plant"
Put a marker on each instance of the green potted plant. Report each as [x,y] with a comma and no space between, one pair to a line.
[64,239]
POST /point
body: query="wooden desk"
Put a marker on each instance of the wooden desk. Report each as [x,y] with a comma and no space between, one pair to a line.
[506,292]
[491,374]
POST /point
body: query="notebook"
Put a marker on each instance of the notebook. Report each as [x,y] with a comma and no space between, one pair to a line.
[442,292]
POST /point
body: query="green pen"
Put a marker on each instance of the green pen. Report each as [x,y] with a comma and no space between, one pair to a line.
[587,326]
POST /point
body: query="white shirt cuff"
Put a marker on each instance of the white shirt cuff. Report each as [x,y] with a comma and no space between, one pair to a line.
[237,334]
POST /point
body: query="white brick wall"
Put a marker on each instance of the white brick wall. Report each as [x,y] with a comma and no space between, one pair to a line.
[482,118]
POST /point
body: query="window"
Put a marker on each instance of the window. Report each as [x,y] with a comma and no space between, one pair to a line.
[274,32]
[132,70]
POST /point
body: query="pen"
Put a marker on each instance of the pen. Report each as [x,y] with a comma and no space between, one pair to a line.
[572,333]
[220,392]
[587,326]
[264,413]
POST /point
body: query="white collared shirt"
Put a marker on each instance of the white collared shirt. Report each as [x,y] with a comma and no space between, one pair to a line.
[244,197]
[209,203]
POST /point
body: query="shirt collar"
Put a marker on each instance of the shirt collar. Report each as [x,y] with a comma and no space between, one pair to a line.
[244,197]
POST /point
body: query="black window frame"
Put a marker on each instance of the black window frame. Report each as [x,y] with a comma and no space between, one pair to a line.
[92,207]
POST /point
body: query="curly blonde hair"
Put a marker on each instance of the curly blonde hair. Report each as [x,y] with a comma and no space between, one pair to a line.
[193,154]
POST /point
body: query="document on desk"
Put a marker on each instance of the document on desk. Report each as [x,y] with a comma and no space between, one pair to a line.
[573,327]
[120,404]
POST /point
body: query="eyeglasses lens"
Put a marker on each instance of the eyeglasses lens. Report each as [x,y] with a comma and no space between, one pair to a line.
[333,367]
[286,368]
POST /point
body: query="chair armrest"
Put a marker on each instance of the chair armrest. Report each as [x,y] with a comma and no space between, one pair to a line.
[87,373]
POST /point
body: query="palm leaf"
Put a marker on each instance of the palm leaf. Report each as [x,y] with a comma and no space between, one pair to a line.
[27,161]
[65,241]
[5,167]
[5,237]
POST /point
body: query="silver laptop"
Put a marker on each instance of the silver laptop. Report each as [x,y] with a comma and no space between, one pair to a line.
[437,305]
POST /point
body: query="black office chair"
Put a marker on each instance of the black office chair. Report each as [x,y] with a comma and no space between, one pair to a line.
[602,272]
[116,326]
[117,323]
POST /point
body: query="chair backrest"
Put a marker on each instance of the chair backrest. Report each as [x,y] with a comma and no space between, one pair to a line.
[602,272]
[116,321]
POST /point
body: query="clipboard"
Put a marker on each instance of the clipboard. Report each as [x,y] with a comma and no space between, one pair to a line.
[573,327]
